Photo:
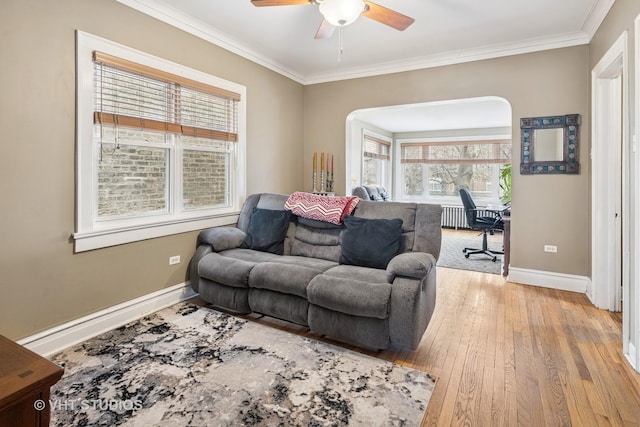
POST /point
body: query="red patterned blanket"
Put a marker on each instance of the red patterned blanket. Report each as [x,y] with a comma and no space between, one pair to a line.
[322,208]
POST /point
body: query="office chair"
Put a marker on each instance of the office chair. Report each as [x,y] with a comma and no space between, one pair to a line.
[486,224]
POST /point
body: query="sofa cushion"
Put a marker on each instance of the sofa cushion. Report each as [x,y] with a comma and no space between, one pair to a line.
[224,270]
[267,230]
[363,274]
[250,255]
[317,242]
[370,242]
[257,257]
[350,296]
[287,279]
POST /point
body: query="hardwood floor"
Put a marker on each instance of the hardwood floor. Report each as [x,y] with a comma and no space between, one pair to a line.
[506,354]
[510,354]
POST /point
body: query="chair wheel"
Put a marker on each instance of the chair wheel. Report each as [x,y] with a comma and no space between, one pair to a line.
[494,259]
[466,255]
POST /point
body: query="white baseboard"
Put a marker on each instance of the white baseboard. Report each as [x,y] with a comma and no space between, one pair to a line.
[60,337]
[632,356]
[546,279]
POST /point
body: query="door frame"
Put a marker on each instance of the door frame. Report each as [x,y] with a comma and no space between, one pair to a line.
[633,348]
[609,109]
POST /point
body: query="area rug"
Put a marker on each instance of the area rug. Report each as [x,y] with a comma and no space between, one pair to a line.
[451,255]
[190,365]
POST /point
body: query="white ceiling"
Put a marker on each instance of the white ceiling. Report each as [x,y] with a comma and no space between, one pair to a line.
[445,32]
[471,113]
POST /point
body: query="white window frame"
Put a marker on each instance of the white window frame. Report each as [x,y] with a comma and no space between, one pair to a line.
[385,169]
[93,234]
[443,200]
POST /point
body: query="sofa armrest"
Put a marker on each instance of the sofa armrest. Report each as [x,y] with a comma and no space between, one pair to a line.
[194,277]
[410,264]
[222,238]
[413,297]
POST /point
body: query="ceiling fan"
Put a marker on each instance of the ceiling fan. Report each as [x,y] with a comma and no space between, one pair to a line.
[339,13]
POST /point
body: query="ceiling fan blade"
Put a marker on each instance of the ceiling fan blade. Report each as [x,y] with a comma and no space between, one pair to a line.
[279,2]
[325,31]
[387,16]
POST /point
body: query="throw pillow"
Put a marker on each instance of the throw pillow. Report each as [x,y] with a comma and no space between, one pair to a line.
[267,230]
[370,242]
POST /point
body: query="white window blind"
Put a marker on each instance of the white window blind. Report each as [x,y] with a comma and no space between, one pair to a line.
[452,152]
[161,147]
[376,161]
[376,148]
[140,97]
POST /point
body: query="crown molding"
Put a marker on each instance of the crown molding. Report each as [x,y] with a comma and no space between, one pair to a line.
[197,28]
[450,58]
[596,16]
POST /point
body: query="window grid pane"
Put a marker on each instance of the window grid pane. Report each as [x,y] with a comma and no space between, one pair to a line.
[370,172]
[205,179]
[132,180]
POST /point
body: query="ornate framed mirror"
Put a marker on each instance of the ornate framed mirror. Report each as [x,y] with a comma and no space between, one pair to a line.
[550,144]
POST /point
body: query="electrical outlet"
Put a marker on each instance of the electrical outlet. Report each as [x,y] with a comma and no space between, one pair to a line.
[550,248]
[174,260]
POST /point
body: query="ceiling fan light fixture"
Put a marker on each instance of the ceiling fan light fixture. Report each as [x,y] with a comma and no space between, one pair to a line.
[341,12]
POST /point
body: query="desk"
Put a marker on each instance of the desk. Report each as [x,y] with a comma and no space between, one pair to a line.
[506,241]
[505,212]
[25,378]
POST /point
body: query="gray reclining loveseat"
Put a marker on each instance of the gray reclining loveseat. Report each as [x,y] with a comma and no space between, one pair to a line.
[314,283]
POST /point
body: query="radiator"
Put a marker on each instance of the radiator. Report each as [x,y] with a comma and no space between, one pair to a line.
[454,217]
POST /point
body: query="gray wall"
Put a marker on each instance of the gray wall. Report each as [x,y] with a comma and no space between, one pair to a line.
[546,209]
[43,283]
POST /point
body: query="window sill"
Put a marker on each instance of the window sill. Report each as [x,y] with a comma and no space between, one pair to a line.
[88,241]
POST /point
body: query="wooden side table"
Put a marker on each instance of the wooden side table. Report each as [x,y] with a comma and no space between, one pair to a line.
[25,380]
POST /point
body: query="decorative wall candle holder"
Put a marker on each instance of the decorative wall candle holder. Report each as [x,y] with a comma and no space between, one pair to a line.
[323,182]
[315,181]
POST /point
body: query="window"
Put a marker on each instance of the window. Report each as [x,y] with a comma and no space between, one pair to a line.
[434,170]
[376,161]
[160,146]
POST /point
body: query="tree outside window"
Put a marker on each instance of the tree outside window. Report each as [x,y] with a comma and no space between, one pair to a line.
[435,171]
